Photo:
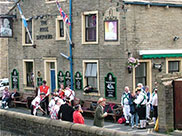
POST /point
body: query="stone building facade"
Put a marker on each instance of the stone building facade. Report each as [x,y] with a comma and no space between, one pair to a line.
[4,73]
[105,33]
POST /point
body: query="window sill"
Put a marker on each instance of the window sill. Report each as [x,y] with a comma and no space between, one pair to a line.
[61,39]
[90,42]
[27,44]
[91,94]
[29,88]
[49,2]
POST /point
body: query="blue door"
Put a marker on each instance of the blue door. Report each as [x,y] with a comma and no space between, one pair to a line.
[53,80]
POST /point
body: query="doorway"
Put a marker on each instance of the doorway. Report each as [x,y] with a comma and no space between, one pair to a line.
[50,73]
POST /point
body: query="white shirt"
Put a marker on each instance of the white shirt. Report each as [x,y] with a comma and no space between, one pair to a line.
[140,99]
[70,93]
[155,100]
[125,99]
[36,101]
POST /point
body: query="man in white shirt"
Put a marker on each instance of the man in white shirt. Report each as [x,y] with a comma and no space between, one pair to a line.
[155,105]
[141,102]
[125,104]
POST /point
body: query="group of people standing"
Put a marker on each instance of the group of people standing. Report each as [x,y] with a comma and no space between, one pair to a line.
[138,105]
[61,106]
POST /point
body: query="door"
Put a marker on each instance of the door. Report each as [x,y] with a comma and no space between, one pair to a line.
[52,76]
[53,80]
[177,104]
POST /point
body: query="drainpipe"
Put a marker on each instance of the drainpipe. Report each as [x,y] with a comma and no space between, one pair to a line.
[71,57]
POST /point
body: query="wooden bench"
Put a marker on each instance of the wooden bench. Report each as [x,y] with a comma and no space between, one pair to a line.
[89,106]
[22,99]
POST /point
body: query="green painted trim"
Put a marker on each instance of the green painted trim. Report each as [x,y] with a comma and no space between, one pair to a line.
[115,98]
[12,79]
[58,80]
[161,56]
[81,80]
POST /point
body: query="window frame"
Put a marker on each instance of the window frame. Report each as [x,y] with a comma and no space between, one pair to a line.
[58,29]
[85,79]
[24,34]
[149,75]
[173,59]
[84,14]
[24,73]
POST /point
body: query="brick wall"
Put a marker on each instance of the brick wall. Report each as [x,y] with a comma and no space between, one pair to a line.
[40,126]
[165,101]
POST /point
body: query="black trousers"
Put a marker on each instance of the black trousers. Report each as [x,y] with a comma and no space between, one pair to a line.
[155,111]
[44,104]
[142,112]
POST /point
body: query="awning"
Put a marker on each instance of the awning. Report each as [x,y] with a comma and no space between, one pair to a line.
[146,54]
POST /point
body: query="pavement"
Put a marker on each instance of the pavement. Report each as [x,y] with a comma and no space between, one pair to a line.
[108,124]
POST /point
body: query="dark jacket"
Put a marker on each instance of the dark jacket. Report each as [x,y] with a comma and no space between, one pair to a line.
[67,112]
[99,118]
[132,105]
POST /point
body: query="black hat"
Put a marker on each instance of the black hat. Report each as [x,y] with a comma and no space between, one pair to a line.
[44,82]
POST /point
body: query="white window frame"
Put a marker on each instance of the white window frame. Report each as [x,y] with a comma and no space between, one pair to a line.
[173,59]
[53,1]
[149,74]
[83,27]
[24,73]
[23,34]
[84,79]
[58,30]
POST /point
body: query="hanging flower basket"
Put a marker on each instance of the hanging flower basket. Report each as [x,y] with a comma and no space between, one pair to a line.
[132,63]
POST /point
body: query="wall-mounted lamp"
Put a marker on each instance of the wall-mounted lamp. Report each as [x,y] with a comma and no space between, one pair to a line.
[157,66]
[175,38]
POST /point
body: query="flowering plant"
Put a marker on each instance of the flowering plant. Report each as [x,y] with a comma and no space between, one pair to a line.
[132,62]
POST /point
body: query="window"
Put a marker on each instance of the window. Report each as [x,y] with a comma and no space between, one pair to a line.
[91,75]
[141,74]
[28,73]
[60,29]
[90,27]
[173,66]
[25,36]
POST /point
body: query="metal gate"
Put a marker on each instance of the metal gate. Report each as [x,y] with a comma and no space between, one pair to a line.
[177,104]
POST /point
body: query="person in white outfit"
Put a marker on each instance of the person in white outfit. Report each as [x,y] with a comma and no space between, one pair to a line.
[125,104]
[70,94]
[148,103]
[35,104]
[155,105]
[141,102]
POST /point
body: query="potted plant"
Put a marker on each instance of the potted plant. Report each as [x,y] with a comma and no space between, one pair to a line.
[132,63]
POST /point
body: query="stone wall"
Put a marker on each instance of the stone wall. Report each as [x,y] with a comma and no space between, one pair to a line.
[165,101]
[40,126]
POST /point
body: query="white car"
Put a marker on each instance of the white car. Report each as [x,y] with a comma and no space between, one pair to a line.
[3,83]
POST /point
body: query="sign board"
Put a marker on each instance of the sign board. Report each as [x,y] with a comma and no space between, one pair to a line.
[15,79]
[78,81]
[67,79]
[110,86]
[6,27]
[60,77]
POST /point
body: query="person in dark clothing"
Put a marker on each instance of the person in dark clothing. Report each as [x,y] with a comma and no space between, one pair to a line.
[133,111]
[13,95]
[67,111]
